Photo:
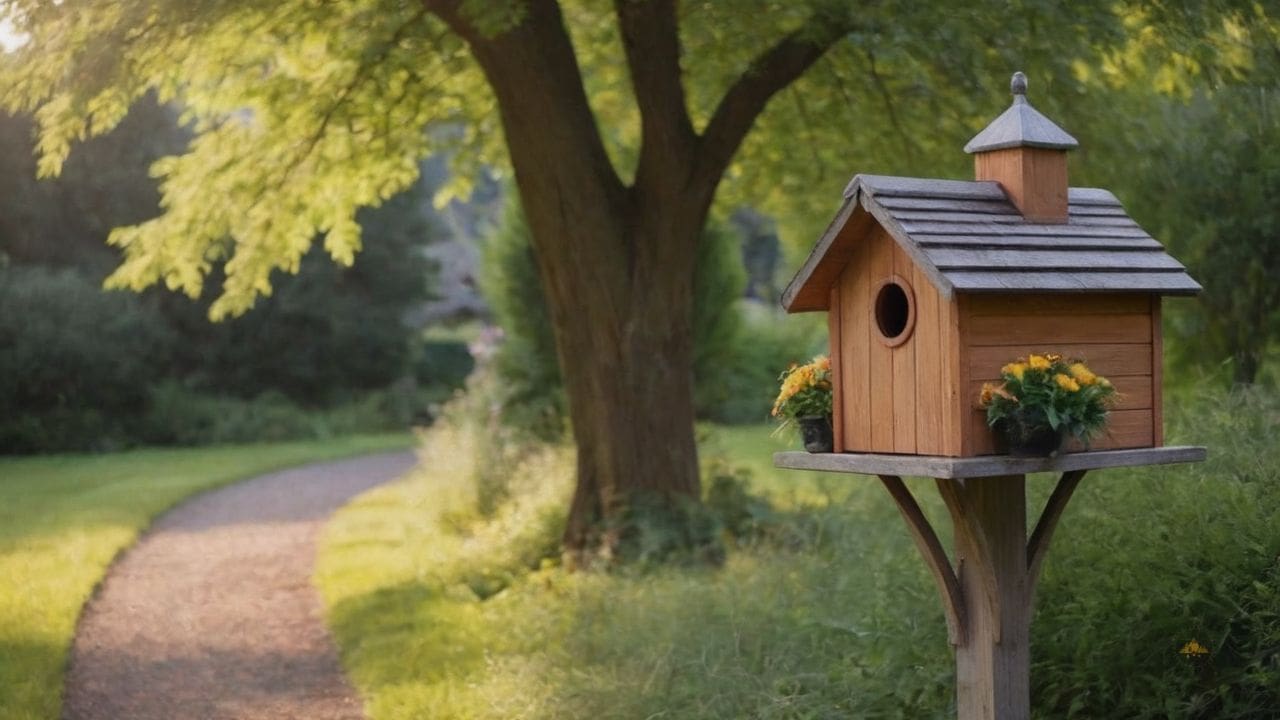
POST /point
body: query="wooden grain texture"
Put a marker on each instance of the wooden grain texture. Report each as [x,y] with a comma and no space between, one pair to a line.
[963,372]
[834,349]
[961,239]
[1054,330]
[929,346]
[905,391]
[934,466]
[924,227]
[1157,372]
[1044,260]
[880,265]
[993,667]
[1018,305]
[1165,283]
[1034,178]
[915,215]
[951,356]
[855,315]
[995,206]
[935,557]
[880,185]
[1119,359]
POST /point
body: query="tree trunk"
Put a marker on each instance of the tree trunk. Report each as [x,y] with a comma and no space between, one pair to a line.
[617,262]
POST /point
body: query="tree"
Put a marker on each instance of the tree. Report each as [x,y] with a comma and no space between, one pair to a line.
[1214,192]
[305,111]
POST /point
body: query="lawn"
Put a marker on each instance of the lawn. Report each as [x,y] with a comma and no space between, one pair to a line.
[64,518]
[445,612]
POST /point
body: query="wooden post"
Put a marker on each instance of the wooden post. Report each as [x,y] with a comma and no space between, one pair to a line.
[988,593]
[993,665]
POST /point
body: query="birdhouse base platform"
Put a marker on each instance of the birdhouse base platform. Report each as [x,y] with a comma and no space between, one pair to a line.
[936,466]
[988,591]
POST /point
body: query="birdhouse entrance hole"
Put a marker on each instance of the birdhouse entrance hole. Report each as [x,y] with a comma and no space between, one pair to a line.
[894,311]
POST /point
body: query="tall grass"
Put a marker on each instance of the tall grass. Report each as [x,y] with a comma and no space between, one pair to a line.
[839,620]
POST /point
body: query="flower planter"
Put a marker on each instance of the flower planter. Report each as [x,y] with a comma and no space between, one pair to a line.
[815,430]
[1028,434]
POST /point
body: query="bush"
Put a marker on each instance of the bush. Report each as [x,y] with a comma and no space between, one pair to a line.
[76,363]
[180,416]
[443,364]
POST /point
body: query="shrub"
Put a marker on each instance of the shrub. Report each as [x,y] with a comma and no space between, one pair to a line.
[76,361]
[180,416]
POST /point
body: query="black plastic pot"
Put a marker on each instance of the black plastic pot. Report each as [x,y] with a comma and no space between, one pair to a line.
[815,430]
[1026,433]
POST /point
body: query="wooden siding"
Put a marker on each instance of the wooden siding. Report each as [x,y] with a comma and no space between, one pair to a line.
[835,343]
[1118,335]
[1035,178]
[893,399]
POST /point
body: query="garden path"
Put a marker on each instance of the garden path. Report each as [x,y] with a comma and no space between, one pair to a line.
[212,615]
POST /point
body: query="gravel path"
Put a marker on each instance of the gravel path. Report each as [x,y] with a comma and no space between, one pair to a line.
[213,616]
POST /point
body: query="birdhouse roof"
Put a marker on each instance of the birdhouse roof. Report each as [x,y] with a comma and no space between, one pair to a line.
[968,237]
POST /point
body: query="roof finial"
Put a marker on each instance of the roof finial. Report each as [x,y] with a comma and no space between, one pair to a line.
[1018,86]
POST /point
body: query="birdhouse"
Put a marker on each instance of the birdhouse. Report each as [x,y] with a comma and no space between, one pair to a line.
[931,286]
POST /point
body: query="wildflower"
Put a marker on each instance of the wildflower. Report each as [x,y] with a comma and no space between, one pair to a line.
[1082,374]
[1194,648]
[1066,383]
[1039,362]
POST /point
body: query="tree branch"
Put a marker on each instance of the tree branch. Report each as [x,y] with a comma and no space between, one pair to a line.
[772,71]
[650,38]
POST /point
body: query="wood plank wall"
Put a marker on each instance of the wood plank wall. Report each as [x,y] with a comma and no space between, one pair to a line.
[894,399]
[1117,335]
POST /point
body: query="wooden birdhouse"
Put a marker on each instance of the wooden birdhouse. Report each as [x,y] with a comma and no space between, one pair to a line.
[931,286]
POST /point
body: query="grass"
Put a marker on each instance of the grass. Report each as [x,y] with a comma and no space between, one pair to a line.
[445,613]
[64,518]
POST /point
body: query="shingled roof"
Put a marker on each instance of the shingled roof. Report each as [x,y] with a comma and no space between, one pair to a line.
[969,238]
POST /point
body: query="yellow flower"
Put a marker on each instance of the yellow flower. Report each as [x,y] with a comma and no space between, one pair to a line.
[1039,362]
[988,391]
[1015,369]
[822,362]
[1082,374]
[1053,357]
[1066,383]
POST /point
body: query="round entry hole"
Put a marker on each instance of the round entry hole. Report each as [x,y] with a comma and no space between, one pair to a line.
[893,312]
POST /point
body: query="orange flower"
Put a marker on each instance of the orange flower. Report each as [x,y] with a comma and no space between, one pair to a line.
[1066,383]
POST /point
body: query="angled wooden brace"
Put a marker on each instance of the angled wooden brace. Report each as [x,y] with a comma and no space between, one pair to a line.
[926,540]
[1038,544]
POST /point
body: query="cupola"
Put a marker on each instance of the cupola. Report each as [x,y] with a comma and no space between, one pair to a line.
[1026,153]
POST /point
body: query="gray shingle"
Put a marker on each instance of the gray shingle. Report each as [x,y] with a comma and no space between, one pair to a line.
[968,237]
[1021,126]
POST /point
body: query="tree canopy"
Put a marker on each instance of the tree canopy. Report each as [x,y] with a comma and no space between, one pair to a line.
[304,111]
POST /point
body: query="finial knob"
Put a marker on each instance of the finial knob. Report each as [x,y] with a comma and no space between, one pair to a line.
[1018,85]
